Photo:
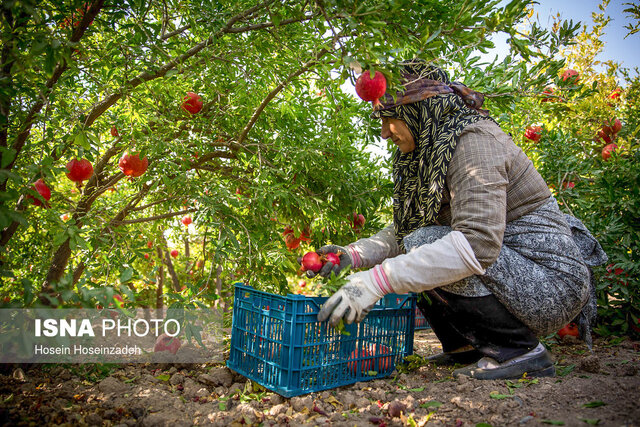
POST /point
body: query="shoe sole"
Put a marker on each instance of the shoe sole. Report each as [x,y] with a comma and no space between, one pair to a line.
[504,374]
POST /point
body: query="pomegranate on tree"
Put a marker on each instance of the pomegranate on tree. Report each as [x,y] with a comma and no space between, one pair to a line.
[174,253]
[114,131]
[616,93]
[79,170]
[132,165]
[607,150]
[186,221]
[290,239]
[41,187]
[371,89]
[548,91]
[571,76]
[357,222]
[533,133]
[192,103]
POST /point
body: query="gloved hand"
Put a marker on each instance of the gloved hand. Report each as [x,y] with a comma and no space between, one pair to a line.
[353,301]
[328,267]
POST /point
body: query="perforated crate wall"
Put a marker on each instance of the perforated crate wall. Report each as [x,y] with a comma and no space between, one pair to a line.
[278,342]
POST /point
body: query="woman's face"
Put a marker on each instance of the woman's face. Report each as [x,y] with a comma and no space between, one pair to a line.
[399,133]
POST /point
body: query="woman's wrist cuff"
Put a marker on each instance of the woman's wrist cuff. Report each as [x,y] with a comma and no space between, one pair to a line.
[356,261]
[381,280]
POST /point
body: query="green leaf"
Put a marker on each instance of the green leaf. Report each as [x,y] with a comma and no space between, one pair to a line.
[163,377]
[553,422]
[594,404]
[431,404]
[483,425]
[126,275]
[81,140]
[496,395]
[8,154]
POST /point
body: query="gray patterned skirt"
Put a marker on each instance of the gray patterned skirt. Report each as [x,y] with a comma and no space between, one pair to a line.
[542,274]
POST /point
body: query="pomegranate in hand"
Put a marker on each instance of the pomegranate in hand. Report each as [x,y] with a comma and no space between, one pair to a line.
[311,261]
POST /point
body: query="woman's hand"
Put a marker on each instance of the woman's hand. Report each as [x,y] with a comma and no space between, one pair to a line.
[353,301]
[328,267]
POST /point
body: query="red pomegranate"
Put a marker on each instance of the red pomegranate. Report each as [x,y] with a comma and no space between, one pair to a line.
[533,133]
[174,253]
[114,131]
[311,261]
[43,190]
[79,170]
[607,150]
[571,76]
[131,165]
[371,89]
[570,329]
[290,239]
[186,221]
[332,258]
[192,103]
[167,343]
[616,93]
[548,91]
[357,222]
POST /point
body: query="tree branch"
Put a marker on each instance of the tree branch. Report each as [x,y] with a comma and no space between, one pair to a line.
[274,92]
[153,218]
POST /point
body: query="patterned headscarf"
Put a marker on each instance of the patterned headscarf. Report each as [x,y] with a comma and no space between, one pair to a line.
[436,111]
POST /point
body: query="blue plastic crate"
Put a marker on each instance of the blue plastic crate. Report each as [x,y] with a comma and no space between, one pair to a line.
[277,341]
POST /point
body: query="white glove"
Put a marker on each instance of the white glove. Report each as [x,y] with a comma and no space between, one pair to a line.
[375,249]
[445,261]
[353,301]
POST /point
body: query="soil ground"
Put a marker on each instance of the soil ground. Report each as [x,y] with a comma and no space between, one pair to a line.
[599,388]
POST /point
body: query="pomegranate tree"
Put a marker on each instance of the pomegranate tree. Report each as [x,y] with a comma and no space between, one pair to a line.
[131,165]
[79,170]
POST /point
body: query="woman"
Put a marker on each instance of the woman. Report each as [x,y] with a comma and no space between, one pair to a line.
[476,233]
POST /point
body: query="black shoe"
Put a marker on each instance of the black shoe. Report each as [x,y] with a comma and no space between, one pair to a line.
[451,358]
[536,363]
